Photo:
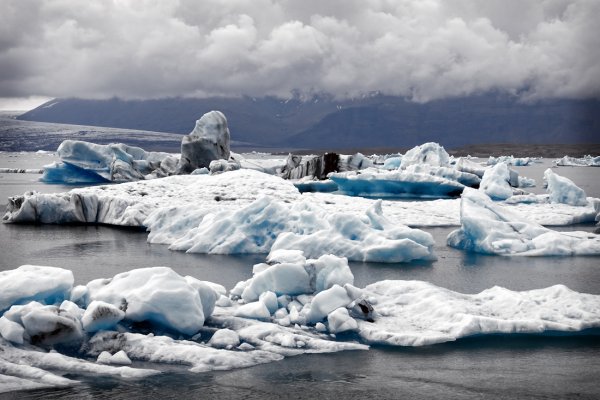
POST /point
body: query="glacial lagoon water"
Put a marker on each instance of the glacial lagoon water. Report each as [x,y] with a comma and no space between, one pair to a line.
[494,367]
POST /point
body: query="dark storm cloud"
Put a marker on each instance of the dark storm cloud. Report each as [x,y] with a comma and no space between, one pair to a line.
[423,49]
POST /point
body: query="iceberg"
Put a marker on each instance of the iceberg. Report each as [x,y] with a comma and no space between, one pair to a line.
[297,167]
[119,358]
[294,278]
[414,313]
[157,295]
[224,338]
[563,190]
[100,315]
[428,153]
[130,203]
[47,325]
[510,160]
[392,163]
[268,224]
[488,227]
[208,141]
[382,184]
[340,320]
[496,182]
[34,283]
[424,171]
[585,161]
[372,238]
[83,162]
[464,164]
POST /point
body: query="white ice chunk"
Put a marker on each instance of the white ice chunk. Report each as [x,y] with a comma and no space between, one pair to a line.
[464,164]
[78,294]
[428,153]
[50,325]
[413,313]
[361,238]
[31,282]
[224,338]
[491,228]
[496,182]
[157,295]
[327,301]
[84,162]
[419,182]
[286,256]
[17,376]
[120,358]
[525,182]
[162,349]
[36,364]
[330,270]
[209,293]
[269,299]
[392,163]
[563,190]
[11,331]
[585,161]
[281,279]
[510,160]
[299,279]
[254,310]
[100,315]
[340,321]
[104,358]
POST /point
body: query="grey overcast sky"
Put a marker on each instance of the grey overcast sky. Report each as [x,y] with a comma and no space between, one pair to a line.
[421,49]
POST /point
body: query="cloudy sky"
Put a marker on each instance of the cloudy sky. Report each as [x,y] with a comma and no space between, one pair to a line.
[421,49]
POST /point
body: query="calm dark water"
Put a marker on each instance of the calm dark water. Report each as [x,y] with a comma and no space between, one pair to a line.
[495,367]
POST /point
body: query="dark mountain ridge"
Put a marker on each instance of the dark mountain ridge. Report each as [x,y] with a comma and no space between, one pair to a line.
[324,122]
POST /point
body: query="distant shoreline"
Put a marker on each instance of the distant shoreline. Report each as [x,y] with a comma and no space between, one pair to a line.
[484,150]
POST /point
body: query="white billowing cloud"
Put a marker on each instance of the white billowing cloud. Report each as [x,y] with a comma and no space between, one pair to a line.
[421,49]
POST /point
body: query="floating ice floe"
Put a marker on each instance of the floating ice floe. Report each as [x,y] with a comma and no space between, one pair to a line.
[491,228]
[83,162]
[157,295]
[379,183]
[129,204]
[372,238]
[30,367]
[413,313]
[563,190]
[428,153]
[270,224]
[424,171]
[496,182]
[510,160]
[34,283]
[585,161]
[465,164]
